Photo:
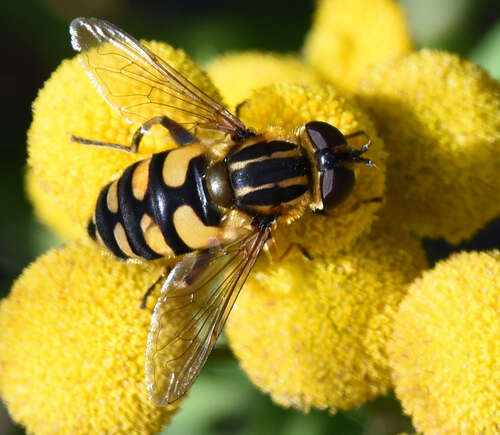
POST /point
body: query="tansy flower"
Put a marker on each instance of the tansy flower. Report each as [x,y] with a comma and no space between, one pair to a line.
[72,341]
[313,333]
[445,348]
[348,37]
[440,118]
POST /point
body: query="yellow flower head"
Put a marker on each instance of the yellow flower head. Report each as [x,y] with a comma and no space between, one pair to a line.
[440,118]
[445,348]
[236,75]
[72,345]
[71,173]
[313,333]
[350,36]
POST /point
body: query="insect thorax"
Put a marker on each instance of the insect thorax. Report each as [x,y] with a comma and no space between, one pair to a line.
[268,177]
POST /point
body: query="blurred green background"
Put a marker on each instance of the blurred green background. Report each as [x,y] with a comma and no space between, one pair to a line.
[33,41]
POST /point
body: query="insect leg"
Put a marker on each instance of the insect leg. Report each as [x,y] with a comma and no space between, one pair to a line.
[98,143]
[150,289]
[179,134]
[240,106]
[276,257]
[353,139]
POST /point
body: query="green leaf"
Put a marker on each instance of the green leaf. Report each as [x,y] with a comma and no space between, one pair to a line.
[487,52]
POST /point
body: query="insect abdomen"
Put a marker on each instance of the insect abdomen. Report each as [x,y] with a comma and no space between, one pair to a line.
[266,177]
[158,207]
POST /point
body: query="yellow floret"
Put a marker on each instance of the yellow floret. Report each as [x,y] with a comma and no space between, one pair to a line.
[68,104]
[313,333]
[445,349]
[49,212]
[290,106]
[237,74]
[439,116]
[350,36]
[72,345]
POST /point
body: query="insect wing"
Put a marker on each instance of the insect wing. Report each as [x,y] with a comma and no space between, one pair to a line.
[196,300]
[139,84]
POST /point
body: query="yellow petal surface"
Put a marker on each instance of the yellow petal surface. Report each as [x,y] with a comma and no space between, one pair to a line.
[68,104]
[445,349]
[350,36]
[72,345]
[237,74]
[313,333]
[289,106]
[439,116]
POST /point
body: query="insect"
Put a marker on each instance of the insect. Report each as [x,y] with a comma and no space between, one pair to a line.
[212,202]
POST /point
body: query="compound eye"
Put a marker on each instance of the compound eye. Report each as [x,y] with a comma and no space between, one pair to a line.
[336,185]
[323,135]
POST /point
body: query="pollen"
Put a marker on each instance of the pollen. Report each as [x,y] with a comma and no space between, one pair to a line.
[313,333]
[238,74]
[69,105]
[445,350]
[350,36]
[288,107]
[439,116]
[72,345]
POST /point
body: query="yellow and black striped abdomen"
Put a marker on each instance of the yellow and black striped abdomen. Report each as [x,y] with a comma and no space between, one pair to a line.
[158,207]
[267,177]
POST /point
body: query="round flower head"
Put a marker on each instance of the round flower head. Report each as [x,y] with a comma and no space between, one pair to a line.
[72,345]
[287,107]
[72,173]
[444,350]
[440,118]
[236,75]
[349,36]
[312,333]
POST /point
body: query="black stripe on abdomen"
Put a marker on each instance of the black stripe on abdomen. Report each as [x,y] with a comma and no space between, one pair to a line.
[132,210]
[105,221]
[165,200]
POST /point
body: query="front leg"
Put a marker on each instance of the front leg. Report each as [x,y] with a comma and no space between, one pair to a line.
[276,257]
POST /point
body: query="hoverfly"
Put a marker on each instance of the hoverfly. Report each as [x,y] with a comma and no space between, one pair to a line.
[213,202]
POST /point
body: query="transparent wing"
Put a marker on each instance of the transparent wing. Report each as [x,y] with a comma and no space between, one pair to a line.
[139,84]
[196,300]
